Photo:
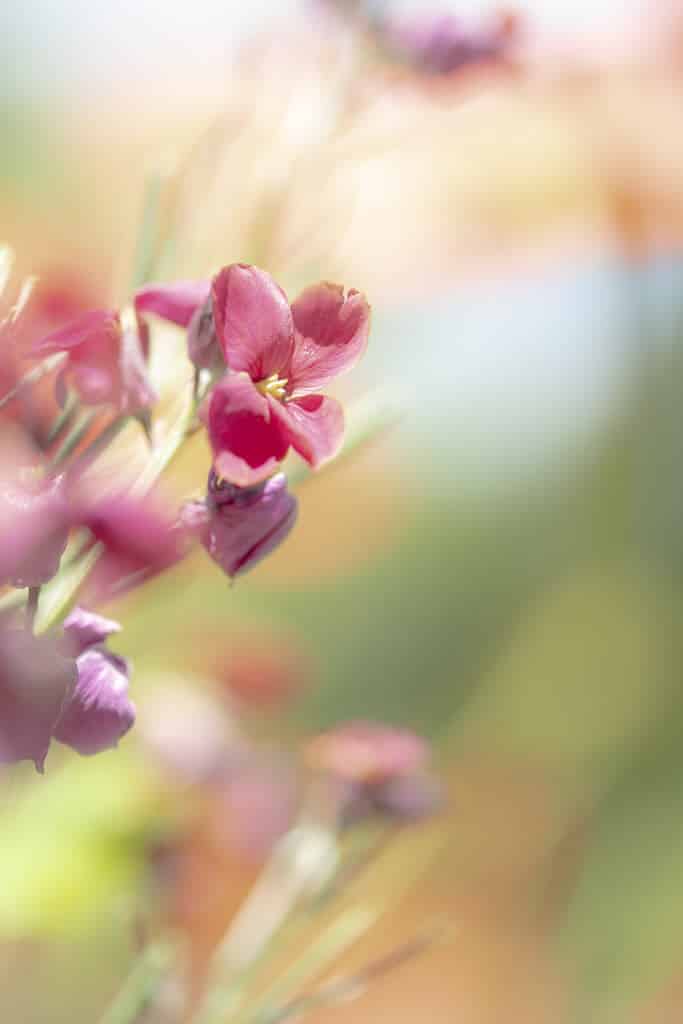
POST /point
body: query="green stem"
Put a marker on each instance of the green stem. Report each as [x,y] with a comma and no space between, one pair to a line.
[32,605]
[63,420]
[74,438]
[141,986]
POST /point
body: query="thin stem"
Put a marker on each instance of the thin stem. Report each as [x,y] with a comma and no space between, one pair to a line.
[63,420]
[141,986]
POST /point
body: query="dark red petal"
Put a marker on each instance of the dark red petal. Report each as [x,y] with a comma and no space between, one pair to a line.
[247,441]
[253,321]
[331,333]
[313,425]
[176,302]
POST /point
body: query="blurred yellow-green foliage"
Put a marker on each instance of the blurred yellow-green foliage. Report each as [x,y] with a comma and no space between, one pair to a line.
[501,571]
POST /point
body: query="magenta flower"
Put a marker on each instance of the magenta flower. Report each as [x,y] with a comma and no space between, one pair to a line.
[98,712]
[240,526]
[106,363]
[280,356]
[35,682]
[34,526]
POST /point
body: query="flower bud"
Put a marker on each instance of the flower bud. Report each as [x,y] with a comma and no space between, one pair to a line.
[239,526]
[203,347]
[98,712]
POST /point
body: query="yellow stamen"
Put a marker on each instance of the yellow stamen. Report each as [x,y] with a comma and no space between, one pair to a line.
[274,386]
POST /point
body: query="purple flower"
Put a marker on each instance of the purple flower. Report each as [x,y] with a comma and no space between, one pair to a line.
[441,44]
[98,712]
[35,682]
[239,526]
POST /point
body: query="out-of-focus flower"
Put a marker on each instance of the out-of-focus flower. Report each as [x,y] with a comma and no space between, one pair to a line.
[259,669]
[280,356]
[98,712]
[105,360]
[240,526]
[34,525]
[441,44]
[187,733]
[36,680]
[378,768]
[260,796]
[137,532]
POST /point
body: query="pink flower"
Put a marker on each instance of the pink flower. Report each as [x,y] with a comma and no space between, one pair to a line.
[240,526]
[280,356]
[106,363]
[378,769]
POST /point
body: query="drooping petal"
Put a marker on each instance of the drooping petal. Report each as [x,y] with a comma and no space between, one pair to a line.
[99,711]
[331,334]
[176,302]
[246,439]
[83,629]
[253,321]
[244,530]
[313,425]
[35,681]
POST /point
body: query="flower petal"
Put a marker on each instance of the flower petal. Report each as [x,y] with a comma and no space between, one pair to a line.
[247,441]
[99,711]
[96,323]
[35,680]
[331,333]
[137,392]
[84,629]
[175,302]
[253,321]
[313,425]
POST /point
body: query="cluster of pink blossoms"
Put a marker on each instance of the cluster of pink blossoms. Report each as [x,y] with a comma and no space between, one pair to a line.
[261,364]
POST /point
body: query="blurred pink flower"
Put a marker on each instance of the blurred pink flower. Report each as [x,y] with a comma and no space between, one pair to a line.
[240,526]
[379,769]
[279,357]
[106,363]
[439,43]
[98,712]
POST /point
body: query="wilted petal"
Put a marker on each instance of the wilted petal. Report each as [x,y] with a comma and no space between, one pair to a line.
[247,441]
[313,425]
[35,681]
[253,321]
[99,711]
[331,334]
[84,629]
[245,529]
[34,526]
[176,302]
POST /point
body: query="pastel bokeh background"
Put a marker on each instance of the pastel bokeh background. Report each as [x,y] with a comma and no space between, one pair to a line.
[498,567]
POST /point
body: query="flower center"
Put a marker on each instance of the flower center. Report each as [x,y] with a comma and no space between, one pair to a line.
[273,385]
